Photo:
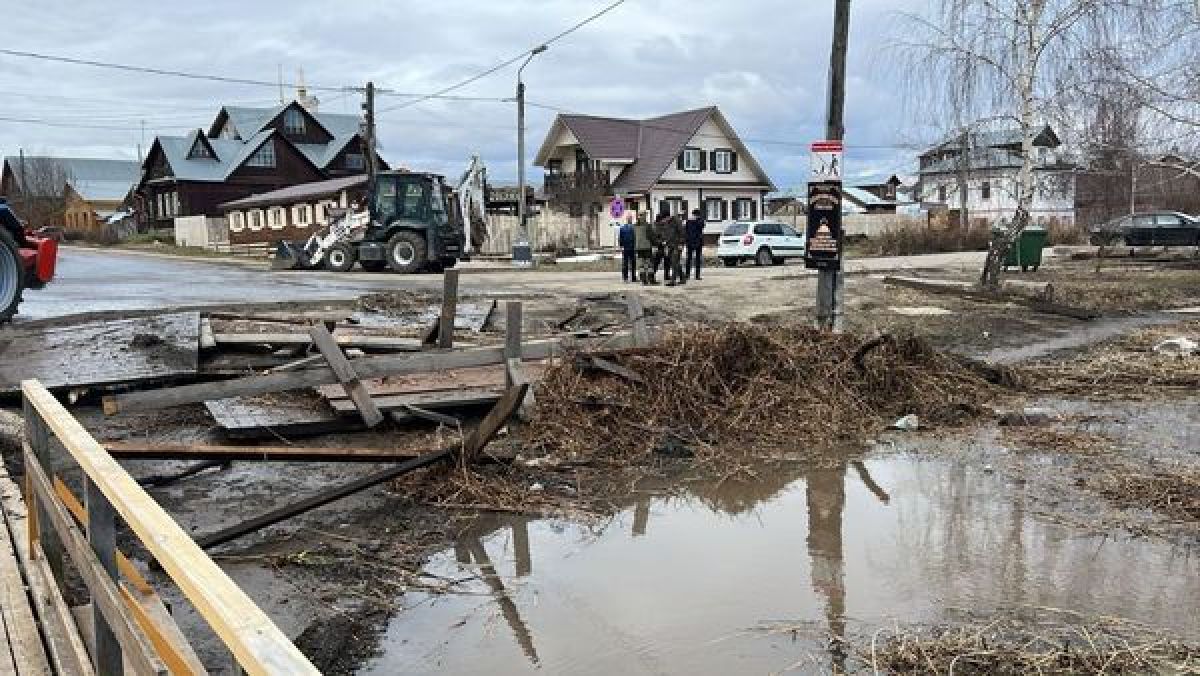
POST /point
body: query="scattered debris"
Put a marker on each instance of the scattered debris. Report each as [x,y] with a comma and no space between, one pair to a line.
[1179,347]
[907,423]
[1028,416]
[920,311]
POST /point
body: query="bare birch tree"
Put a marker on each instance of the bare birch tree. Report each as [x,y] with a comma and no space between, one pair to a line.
[1013,60]
[41,195]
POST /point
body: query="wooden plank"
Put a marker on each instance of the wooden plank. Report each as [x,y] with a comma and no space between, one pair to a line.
[449,307]
[143,602]
[433,401]
[451,379]
[259,646]
[208,340]
[321,499]
[102,536]
[23,640]
[369,342]
[493,422]
[269,417]
[134,450]
[64,644]
[102,353]
[7,666]
[637,317]
[346,376]
[367,367]
[487,430]
[103,589]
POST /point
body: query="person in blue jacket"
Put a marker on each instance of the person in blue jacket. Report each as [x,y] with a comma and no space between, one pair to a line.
[628,241]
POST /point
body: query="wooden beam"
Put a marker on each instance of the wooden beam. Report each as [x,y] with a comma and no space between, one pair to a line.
[437,400]
[449,307]
[64,644]
[103,588]
[301,339]
[259,646]
[346,376]
[17,623]
[134,450]
[513,351]
[367,367]
[487,430]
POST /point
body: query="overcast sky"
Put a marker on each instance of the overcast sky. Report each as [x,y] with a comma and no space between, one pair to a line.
[763,62]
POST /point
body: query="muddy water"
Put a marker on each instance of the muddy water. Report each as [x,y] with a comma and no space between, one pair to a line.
[677,586]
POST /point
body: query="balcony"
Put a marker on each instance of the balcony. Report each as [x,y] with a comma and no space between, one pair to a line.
[580,187]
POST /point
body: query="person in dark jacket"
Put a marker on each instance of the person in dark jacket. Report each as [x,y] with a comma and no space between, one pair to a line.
[672,233]
[643,237]
[694,241]
[628,241]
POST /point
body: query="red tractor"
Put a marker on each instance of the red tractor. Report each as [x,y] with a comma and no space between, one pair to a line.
[26,261]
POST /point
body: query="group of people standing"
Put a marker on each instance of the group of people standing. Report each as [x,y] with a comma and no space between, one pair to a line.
[645,246]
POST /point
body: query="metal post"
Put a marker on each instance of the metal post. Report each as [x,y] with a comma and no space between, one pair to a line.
[829,281]
[101,531]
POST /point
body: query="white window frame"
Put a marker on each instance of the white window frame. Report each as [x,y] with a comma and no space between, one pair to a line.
[256,220]
[690,155]
[711,203]
[237,221]
[741,209]
[299,216]
[291,116]
[276,220]
[726,156]
[360,164]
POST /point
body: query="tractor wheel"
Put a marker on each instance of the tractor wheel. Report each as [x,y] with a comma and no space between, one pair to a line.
[340,258]
[373,266]
[12,276]
[406,252]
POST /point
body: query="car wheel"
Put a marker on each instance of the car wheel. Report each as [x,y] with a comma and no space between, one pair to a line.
[12,277]
[373,266]
[340,258]
[730,261]
[406,252]
[763,258]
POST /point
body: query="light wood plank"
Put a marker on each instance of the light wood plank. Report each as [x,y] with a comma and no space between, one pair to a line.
[21,629]
[135,450]
[65,646]
[102,587]
[258,645]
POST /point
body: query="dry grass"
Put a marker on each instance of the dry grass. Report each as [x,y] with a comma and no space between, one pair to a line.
[1055,440]
[1173,493]
[1127,367]
[1118,290]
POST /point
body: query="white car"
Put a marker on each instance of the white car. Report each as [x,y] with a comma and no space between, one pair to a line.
[764,242]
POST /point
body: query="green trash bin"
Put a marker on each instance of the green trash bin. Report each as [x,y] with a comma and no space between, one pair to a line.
[1027,252]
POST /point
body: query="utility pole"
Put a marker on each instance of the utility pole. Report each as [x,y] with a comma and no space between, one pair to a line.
[964,162]
[369,124]
[830,283]
[522,250]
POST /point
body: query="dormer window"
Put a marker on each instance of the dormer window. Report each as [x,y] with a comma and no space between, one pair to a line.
[263,157]
[200,151]
[293,122]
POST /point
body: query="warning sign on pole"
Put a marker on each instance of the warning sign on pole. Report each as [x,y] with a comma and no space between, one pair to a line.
[826,161]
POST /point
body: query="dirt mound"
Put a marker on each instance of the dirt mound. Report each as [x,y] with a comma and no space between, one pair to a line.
[739,390]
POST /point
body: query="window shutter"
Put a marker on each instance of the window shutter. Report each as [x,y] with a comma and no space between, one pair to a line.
[679,162]
[703,160]
[712,160]
[732,161]
[684,212]
[724,210]
[753,210]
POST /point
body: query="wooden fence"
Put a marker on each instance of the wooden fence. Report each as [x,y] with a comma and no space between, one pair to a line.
[131,631]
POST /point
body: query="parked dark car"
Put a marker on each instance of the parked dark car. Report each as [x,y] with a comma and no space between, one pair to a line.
[1156,228]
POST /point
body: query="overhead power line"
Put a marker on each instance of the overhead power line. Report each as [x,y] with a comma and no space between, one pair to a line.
[505,64]
[75,125]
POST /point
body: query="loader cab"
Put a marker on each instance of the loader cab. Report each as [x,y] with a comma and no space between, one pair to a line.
[416,198]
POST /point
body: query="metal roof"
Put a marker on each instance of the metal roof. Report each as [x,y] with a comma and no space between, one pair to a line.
[297,193]
[92,179]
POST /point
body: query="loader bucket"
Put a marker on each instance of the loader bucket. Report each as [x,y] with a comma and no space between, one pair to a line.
[289,256]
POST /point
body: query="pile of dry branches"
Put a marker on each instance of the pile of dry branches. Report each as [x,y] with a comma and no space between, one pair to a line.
[739,390]
[1021,646]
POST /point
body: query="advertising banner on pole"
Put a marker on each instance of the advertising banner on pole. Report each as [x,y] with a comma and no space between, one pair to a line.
[823,241]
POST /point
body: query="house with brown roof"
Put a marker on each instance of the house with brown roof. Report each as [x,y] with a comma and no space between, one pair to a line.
[688,160]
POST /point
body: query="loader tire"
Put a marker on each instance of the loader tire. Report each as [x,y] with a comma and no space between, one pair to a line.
[406,252]
[12,277]
[340,258]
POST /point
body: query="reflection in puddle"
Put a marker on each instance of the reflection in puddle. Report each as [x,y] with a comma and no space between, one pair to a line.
[672,585]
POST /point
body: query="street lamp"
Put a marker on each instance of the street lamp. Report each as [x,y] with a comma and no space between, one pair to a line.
[522,250]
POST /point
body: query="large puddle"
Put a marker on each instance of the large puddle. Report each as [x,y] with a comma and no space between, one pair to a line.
[678,585]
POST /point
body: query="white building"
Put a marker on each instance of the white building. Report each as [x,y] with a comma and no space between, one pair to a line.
[688,160]
[992,164]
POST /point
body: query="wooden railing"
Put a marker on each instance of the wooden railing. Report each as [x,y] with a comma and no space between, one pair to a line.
[130,627]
